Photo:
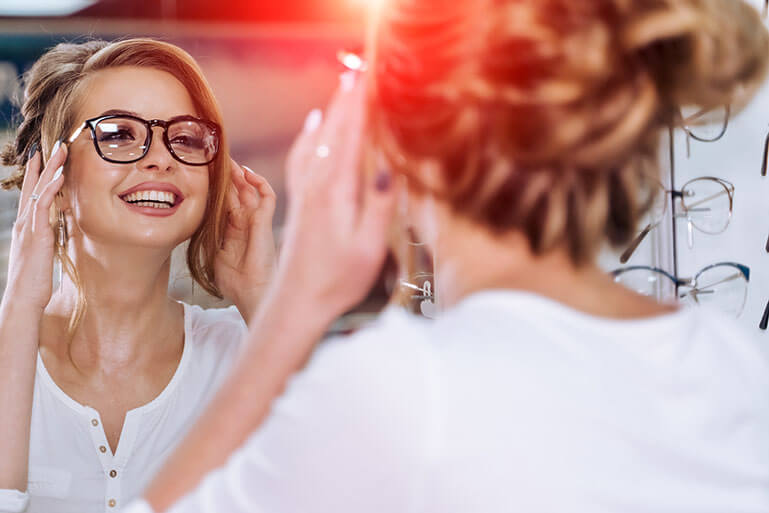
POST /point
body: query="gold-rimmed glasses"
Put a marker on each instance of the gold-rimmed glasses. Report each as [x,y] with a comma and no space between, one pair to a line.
[704,125]
[706,204]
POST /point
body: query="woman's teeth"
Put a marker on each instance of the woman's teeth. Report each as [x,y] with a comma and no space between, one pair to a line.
[155,199]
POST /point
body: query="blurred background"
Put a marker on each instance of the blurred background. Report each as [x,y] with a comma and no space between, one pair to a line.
[269,64]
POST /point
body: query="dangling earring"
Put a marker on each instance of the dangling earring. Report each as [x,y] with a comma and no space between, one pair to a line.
[62,229]
[63,237]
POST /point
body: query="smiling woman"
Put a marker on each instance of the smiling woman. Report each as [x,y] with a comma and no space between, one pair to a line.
[121,158]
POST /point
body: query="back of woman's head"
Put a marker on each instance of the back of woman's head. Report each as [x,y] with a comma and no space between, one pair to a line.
[57,83]
[544,116]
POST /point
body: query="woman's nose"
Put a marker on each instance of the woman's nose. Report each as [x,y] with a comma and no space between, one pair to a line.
[158,157]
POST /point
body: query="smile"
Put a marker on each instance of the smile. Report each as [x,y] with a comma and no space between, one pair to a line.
[154,199]
[150,198]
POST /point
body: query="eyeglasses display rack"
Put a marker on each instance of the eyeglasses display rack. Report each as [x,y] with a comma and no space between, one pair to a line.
[711,246]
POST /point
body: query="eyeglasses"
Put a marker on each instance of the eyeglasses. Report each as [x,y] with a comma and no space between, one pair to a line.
[124,139]
[704,125]
[723,285]
[422,299]
[765,160]
[706,204]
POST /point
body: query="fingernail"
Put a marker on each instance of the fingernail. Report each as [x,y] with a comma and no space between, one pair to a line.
[250,170]
[313,120]
[347,80]
[383,180]
[58,173]
[55,148]
[32,151]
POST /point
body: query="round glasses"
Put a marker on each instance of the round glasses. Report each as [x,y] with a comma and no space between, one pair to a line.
[706,204]
[124,139]
[723,285]
[704,125]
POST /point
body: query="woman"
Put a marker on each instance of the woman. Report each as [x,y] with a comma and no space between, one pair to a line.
[524,132]
[102,376]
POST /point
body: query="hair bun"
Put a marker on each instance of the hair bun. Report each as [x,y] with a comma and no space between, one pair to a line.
[42,83]
[706,53]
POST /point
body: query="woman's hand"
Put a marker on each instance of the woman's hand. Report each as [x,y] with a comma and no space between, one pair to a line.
[334,243]
[245,263]
[30,262]
[336,234]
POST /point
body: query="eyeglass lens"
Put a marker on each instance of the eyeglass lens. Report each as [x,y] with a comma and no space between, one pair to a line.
[707,204]
[126,139]
[647,282]
[721,286]
[708,125]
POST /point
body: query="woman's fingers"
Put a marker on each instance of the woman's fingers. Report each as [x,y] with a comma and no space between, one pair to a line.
[266,195]
[347,176]
[303,148]
[54,169]
[233,192]
[57,160]
[42,206]
[31,175]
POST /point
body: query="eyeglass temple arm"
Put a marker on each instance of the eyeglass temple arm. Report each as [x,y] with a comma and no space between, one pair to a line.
[711,197]
[764,318]
[76,134]
[697,290]
[765,160]
[415,287]
[767,245]
[625,256]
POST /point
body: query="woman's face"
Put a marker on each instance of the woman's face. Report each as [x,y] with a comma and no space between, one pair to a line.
[103,199]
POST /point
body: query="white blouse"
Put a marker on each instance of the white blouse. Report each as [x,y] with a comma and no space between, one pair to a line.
[510,402]
[71,466]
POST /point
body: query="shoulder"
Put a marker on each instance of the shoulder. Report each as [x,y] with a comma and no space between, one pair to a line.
[393,343]
[381,372]
[203,324]
[212,337]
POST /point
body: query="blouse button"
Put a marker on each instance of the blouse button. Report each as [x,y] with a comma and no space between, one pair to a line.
[102,448]
[113,473]
[94,422]
[112,503]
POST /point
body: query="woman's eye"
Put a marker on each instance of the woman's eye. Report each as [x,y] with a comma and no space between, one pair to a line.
[117,135]
[187,141]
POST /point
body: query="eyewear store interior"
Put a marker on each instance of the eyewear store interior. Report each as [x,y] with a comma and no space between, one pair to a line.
[705,241]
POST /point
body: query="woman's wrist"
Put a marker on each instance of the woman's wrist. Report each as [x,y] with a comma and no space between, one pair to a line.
[15,304]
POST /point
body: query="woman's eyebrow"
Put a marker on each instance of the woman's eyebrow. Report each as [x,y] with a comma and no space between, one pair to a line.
[119,112]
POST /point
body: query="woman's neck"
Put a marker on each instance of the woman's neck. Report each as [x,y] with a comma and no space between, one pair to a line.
[471,259]
[128,316]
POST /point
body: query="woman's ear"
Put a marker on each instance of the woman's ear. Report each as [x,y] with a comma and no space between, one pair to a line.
[62,199]
[430,174]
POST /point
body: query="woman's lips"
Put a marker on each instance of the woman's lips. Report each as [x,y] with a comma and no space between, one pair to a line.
[157,199]
[153,211]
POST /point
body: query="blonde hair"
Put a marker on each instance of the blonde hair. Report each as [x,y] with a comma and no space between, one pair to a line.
[544,116]
[54,90]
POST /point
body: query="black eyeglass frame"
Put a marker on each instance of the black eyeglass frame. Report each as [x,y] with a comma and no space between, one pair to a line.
[149,124]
